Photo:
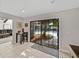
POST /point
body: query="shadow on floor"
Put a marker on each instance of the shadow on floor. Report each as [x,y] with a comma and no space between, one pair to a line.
[51,51]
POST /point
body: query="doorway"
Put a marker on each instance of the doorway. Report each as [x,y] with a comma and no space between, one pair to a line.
[5,30]
[45,32]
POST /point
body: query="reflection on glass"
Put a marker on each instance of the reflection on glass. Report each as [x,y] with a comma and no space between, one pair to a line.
[45,32]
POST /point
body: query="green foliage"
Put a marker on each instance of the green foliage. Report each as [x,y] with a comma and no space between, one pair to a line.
[55,23]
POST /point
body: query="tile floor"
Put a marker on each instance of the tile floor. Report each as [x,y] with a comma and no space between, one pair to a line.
[27,50]
[64,55]
[4,40]
[8,50]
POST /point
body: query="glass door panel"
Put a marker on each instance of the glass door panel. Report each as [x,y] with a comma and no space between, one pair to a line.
[35,31]
[45,32]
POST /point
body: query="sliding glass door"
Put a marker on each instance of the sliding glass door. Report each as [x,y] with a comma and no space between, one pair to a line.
[45,32]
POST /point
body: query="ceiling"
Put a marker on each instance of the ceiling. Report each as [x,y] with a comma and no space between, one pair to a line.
[25,8]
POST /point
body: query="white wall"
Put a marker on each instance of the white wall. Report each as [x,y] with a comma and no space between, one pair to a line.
[1,24]
[23,25]
[68,26]
[0,4]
